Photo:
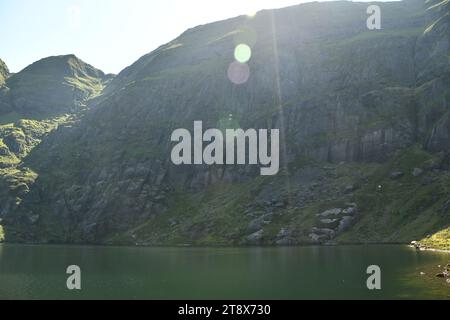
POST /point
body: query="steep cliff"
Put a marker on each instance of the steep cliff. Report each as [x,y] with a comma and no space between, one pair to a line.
[365,135]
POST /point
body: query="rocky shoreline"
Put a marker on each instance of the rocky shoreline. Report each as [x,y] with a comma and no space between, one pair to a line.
[418,246]
[445,274]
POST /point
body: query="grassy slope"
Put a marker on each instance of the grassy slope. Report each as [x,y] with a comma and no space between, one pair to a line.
[405,209]
[400,211]
[439,240]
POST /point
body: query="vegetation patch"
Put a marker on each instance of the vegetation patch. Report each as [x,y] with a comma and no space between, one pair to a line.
[440,240]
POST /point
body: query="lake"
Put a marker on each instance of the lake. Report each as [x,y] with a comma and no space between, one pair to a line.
[335,272]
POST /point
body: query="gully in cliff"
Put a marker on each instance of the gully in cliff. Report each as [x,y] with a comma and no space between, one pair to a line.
[233,145]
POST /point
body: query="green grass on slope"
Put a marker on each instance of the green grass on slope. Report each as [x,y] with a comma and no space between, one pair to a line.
[391,210]
[26,133]
[212,217]
[439,240]
[404,209]
[90,85]
[15,180]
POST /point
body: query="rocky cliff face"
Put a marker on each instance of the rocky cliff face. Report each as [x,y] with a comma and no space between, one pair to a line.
[359,112]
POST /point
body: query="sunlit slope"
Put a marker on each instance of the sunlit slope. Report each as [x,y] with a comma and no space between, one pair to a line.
[53,84]
[439,240]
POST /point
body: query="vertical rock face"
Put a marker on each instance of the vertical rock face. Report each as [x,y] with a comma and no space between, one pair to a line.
[337,91]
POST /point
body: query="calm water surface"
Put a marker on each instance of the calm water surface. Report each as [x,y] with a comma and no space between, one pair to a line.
[38,272]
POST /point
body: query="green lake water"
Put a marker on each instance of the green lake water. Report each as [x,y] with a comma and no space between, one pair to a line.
[338,272]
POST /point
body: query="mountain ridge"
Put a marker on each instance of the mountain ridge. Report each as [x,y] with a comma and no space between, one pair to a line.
[51,85]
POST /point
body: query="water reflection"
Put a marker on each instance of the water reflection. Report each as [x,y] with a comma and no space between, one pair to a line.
[219,273]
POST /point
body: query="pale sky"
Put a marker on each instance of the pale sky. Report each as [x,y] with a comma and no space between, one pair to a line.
[109,34]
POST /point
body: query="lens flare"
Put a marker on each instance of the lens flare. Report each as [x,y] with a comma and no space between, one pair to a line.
[242,53]
[238,73]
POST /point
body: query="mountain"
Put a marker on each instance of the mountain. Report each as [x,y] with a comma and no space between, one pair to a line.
[39,98]
[53,85]
[365,133]
[49,93]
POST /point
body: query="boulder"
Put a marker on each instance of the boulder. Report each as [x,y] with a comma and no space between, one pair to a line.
[258,223]
[317,237]
[255,237]
[396,175]
[329,223]
[34,218]
[254,225]
[345,223]
[350,211]
[330,212]
[284,232]
[279,205]
[330,233]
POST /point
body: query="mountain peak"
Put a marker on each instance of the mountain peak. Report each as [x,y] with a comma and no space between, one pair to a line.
[63,66]
[54,84]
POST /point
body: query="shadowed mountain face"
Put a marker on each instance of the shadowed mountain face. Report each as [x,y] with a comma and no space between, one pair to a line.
[363,115]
